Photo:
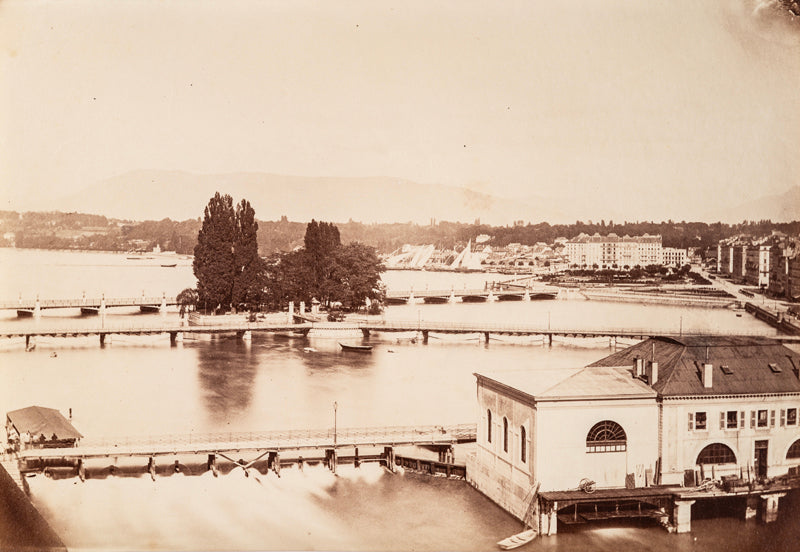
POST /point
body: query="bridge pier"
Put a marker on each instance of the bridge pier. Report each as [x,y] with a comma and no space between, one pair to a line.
[356,460]
[550,340]
[175,338]
[151,467]
[246,335]
[486,337]
[330,459]
[425,336]
[682,516]
[290,316]
[211,464]
[104,338]
[274,462]
[769,511]
[365,332]
[388,455]
[81,470]
[30,342]
[612,341]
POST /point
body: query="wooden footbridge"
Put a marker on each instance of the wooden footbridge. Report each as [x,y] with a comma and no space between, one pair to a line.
[264,446]
[423,328]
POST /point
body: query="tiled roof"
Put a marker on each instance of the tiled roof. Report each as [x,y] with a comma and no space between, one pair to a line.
[746,360]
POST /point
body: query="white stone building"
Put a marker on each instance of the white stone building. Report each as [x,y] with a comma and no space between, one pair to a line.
[667,411]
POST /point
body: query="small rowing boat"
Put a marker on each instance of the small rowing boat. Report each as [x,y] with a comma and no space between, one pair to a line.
[515,541]
[356,348]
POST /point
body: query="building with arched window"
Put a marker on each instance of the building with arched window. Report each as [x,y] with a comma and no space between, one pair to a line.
[667,411]
[728,405]
[559,426]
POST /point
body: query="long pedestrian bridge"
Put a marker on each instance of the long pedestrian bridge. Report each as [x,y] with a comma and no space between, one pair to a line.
[88,305]
[302,326]
[506,292]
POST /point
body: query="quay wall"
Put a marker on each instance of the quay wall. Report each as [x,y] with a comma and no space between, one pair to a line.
[22,527]
[774,319]
[647,298]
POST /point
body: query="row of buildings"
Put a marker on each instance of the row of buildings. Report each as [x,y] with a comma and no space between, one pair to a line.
[667,411]
[771,263]
[615,252]
[583,251]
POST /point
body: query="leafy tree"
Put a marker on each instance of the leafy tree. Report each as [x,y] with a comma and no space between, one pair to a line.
[214,253]
[357,276]
[187,300]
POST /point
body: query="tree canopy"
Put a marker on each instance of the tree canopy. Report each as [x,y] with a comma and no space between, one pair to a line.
[325,270]
[226,264]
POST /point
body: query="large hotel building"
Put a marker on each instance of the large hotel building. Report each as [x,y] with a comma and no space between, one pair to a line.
[616,252]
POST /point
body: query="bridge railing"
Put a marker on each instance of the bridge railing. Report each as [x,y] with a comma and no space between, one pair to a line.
[289,438]
[432,325]
[87,301]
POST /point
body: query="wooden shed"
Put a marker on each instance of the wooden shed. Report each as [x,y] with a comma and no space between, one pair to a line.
[38,426]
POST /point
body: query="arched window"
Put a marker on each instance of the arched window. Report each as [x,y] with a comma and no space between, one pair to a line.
[505,434]
[606,436]
[523,445]
[488,425]
[716,453]
[794,451]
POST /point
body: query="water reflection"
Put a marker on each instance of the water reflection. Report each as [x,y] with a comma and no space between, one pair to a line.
[226,370]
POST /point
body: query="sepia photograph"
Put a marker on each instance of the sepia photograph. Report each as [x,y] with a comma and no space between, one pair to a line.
[430,275]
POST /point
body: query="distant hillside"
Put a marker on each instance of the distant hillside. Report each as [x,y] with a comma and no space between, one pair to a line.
[153,195]
[783,207]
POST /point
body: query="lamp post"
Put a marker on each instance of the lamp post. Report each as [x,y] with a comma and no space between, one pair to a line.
[335,407]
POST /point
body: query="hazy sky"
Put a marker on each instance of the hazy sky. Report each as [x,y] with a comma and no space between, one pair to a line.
[654,103]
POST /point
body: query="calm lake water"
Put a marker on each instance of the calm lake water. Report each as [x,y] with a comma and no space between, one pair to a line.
[141,386]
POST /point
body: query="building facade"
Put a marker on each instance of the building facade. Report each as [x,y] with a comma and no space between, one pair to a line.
[674,257]
[613,252]
[557,427]
[665,411]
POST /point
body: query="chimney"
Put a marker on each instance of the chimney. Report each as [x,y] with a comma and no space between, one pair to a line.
[708,375]
[638,367]
[652,376]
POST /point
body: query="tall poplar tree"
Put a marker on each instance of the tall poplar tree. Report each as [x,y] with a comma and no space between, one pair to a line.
[214,254]
[249,268]
[321,241]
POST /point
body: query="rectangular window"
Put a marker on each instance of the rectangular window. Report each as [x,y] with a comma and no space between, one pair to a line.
[731,419]
[700,421]
[791,416]
[762,419]
[771,418]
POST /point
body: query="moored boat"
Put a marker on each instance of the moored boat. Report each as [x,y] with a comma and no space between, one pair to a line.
[515,541]
[356,348]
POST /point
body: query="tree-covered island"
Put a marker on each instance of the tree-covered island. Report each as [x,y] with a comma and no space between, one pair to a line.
[232,276]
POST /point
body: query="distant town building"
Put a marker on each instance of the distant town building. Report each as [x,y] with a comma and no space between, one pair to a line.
[614,252]
[674,257]
[784,277]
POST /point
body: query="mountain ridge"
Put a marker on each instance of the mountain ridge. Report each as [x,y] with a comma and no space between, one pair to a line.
[156,194]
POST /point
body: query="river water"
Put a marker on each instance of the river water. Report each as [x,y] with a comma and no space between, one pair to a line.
[140,386]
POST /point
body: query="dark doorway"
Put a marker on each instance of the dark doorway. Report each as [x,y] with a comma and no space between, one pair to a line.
[761,458]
